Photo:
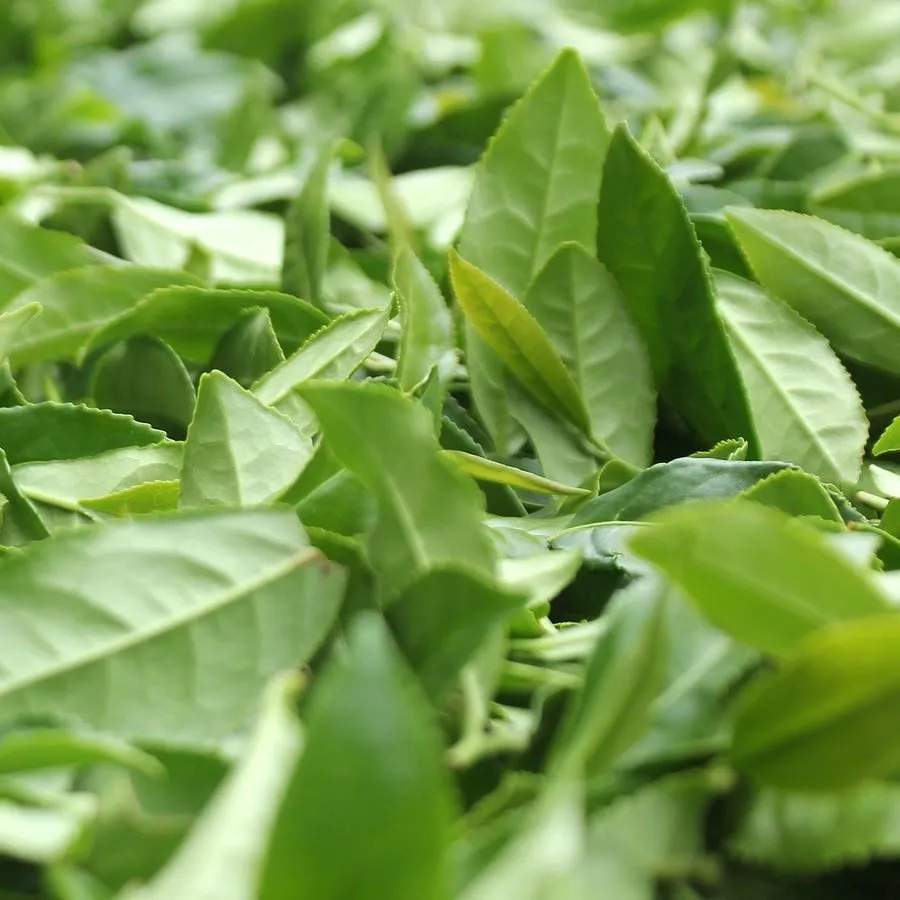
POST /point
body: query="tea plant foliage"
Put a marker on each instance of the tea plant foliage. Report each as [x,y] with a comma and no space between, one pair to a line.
[448,451]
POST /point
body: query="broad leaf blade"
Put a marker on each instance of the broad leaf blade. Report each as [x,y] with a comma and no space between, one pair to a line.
[848,287]
[372,753]
[645,238]
[120,644]
[581,309]
[767,580]
[825,721]
[534,190]
[427,339]
[518,340]
[78,303]
[429,514]
[238,452]
[48,431]
[221,858]
[193,320]
[808,411]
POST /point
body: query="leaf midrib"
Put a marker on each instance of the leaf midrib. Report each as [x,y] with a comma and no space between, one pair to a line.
[136,637]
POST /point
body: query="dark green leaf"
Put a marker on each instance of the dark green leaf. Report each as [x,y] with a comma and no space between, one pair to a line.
[646,240]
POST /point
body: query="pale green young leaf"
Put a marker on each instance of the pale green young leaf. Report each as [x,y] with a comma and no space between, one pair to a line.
[806,408]
[518,340]
[333,353]
[889,442]
[429,513]
[646,240]
[65,483]
[824,721]
[144,499]
[307,233]
[244,246]
[44,835]
[581,309]
[238,451]
[427,339]
[848,287]
[120,645]
[31,749]
[374,753]
[762,577]
[483,469]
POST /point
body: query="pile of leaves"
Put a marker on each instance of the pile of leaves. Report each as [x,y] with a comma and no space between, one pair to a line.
[446,449]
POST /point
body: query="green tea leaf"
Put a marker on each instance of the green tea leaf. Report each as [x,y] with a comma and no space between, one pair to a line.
[765,579]
[33,749]
[889,442]
[171,591]
[868,205]
[77,304]
[427,338]
[221,858]
[249,349]
[806,407]
[19,516]
[332,354]
[29,254]
[238,452]
[192,320]
[11,324]
[803,832]
[144,378]
[307,234]
[140,500]
[579,306]
[440,620]
[646,240]
[845,285]
[623,676]
[823,722]
[534,190]
[43,835]
[487,470]
[795,493]
[372,752]
[429,514]
[65,483]
[671,484]
[48,431]
[508,329]
[540,858]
